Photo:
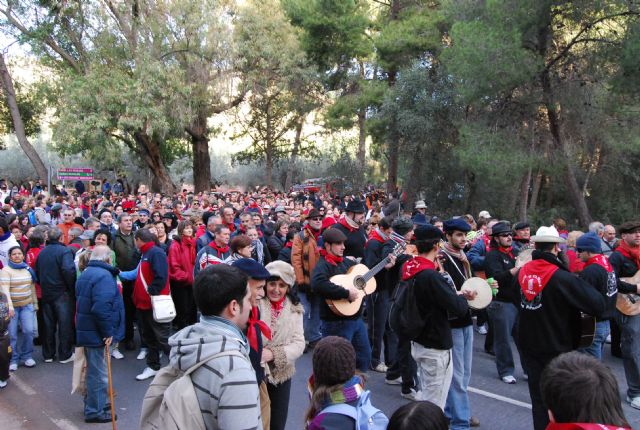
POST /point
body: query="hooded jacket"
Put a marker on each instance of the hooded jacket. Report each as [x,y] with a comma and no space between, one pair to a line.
[154,268]
[226,387]
[550,319]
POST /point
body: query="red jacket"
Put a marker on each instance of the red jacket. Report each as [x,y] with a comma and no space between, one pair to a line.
[182,258]
[155,270]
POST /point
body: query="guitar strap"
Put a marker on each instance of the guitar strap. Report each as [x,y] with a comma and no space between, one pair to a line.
[455,265]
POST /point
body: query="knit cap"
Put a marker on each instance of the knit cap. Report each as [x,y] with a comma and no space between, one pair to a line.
[334,361]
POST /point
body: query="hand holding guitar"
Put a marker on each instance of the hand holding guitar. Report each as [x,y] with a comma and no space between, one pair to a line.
[353,294]
[392,261]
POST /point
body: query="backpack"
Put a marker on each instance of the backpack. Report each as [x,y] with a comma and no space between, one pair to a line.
[170,403]
[367,416]
[405,317]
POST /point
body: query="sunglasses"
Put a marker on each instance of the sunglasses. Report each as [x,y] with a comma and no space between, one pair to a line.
[316,218]
[505,235]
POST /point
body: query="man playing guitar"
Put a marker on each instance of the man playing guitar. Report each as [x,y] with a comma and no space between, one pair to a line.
[350,327]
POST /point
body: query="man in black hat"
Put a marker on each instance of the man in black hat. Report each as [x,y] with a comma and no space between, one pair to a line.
[500,264]
[351,225]
[352,328]
[432,349]
[455,263]
[626,263]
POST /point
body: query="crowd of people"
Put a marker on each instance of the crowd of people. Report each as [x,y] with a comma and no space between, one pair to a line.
[249,281]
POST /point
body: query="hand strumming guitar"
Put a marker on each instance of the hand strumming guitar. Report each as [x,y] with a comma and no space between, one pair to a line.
[391,263]
[353,293]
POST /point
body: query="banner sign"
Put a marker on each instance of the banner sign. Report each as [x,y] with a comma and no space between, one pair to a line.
[75,174]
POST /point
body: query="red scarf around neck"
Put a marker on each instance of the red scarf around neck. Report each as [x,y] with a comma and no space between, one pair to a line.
[600,260]
[629,252]
[334,260]
[507,251]
[252,333]
[220,250]
[375,235]
[416,265]
[534,276]
[312,232]
[343,221]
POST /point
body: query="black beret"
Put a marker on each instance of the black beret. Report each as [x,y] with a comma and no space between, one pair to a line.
[427,232]
[251,268]
[521,225]
[454,224]
[333,235]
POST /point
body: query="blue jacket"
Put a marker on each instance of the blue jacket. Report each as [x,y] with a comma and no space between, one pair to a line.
[476,255]
[99,306]
[56,271]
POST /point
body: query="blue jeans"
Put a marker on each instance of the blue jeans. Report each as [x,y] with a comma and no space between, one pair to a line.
[58,314]
[457,408]
[630,344]
[356,333]
[503,316]
[96,399]
[602,331]
[312,323]
[22,350]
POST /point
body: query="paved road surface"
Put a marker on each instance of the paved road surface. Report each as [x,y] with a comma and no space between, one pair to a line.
[39,398]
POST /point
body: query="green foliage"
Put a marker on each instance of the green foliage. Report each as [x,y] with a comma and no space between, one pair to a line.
[32,108]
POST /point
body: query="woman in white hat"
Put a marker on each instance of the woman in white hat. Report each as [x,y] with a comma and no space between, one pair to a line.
[282,311]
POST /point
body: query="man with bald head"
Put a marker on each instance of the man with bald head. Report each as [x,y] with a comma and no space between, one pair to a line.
[609,240]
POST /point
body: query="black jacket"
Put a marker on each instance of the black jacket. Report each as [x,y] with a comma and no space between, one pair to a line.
[373,254]
[326,289]
[550,324]
[56,271]
[455,268]
[497,265]
[439,302]
[605,283]
[392,276]
[356,240]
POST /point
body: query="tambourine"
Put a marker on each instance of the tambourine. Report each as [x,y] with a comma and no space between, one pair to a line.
[482,287]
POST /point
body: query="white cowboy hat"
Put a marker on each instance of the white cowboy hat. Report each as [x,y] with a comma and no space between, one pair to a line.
[546,235]
[420,204]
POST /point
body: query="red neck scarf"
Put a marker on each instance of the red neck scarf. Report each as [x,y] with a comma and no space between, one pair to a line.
[312,232]
[232,226]
[583,426]
[507,251]
[416,265]
[252,333]
[600,260]
[219,250]
[190,243]
[534,276]
[629,252]
[289,244]
[147,246]
[375,235]
[345,223]
[276,308]
[334,260]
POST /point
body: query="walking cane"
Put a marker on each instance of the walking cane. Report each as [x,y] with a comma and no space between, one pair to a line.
[107,354]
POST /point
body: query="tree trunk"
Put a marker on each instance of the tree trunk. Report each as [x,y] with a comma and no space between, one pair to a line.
[201,157]
[18,125]
[535,192]
[269,165]
[413,182]
[524,195]
[362,144]
[471,190]
[288,182]
[149,150]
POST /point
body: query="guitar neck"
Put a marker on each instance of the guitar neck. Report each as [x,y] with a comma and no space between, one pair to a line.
[376,269]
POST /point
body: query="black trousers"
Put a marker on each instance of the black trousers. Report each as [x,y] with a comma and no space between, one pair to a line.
[404,366]
[5,356]
[186,313]
[129,309]
[58,319]
[534,367]
[279,396]
[156,336]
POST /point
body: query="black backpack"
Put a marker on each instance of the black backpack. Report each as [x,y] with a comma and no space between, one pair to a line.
[405,317]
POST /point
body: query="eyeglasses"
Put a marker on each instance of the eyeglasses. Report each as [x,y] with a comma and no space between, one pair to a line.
[505,235]
[316,218]
[374,223]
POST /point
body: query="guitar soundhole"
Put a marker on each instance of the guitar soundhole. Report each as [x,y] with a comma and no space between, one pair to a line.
[359,283]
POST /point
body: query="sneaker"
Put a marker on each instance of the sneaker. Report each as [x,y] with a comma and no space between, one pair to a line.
[29,362]
[115,353]
[474,422]
[381,368]
[99,420]
[608,339]
[146,374]
[508,379]
[482,329]
[69,360]
[397,381]
[634,402]
[48,360]
[13,367]
[413,395]
[142,354]
[3,384]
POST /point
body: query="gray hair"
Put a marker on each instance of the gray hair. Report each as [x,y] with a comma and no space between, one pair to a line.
[91,221]
[123,216]
[214,220]
[54,234]
[596,227]
[101,253]
[75,232]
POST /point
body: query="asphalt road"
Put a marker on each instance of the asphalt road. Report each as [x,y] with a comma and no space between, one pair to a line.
[39,398]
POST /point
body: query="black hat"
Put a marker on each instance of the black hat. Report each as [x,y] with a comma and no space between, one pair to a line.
[251,268]
[499,228]
[427,232]
[314,213]
[402,225]
[456,224]
[355,206]
[333,235]
[334,361]
[521,225]
[420,219]
[629,227]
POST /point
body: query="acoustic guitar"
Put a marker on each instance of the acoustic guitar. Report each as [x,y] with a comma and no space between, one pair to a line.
[629,304]
[361,277]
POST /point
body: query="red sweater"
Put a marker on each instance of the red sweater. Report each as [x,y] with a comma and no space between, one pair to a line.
[182,258]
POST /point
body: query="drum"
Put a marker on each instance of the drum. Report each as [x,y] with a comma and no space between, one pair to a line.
[482,287]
